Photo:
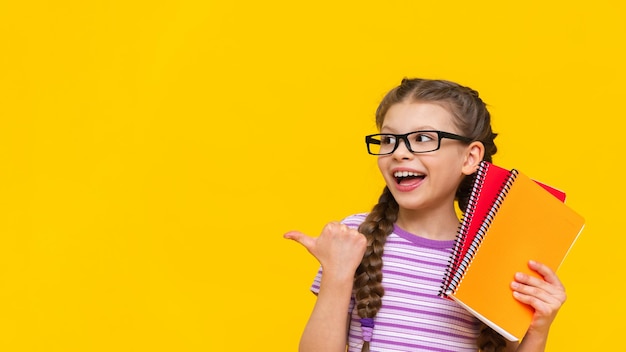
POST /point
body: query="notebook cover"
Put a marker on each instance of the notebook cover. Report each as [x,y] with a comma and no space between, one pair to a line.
[529,224]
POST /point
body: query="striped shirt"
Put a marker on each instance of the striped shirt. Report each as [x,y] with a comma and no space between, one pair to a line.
[413,317]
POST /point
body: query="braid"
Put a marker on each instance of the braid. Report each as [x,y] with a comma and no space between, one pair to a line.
[368,277]
[490,341]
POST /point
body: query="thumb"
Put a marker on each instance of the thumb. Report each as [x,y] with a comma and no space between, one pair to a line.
[306,241]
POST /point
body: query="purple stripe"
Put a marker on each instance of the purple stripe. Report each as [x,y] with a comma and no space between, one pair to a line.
[430,313]
[421,329]
[411,346]
[414,260]
[421,241]
[413,293]
[412,276]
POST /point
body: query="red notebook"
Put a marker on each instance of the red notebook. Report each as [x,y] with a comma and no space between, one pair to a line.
[509,220]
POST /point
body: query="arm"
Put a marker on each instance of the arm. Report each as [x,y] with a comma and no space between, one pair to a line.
[339,249]
[546,297]
[327,327]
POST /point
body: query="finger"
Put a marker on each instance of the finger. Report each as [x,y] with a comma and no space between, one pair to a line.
[537,293]
[541,291]
[306,241]
[539,299]
[548,274]
[534,285]
[545,305]
[334,227]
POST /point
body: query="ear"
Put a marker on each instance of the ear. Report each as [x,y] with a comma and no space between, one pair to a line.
[473,156]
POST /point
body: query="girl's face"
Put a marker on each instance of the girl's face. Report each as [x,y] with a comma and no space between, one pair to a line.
[424,180]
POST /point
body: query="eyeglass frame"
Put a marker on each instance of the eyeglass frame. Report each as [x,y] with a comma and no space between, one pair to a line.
[369,139]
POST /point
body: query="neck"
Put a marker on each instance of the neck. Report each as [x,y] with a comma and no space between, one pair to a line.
[437,225]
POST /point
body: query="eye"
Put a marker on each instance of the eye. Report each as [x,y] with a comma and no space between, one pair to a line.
[423,137]
[388,139]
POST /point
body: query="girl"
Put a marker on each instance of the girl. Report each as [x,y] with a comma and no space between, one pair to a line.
[377,288]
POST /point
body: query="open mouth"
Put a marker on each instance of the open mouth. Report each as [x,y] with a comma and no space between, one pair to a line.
[407,177]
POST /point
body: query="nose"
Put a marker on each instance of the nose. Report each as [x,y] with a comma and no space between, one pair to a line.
[403,150]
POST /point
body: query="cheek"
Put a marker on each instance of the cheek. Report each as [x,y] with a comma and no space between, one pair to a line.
[382,163]
[382,166]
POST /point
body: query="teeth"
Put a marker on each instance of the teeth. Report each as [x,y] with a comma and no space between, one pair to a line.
[405,174]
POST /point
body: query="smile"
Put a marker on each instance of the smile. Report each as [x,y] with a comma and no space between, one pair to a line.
[407,176]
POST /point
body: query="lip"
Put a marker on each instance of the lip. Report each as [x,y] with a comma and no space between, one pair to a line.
[407,187]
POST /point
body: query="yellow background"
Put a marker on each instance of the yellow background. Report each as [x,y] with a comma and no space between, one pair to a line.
[152,154]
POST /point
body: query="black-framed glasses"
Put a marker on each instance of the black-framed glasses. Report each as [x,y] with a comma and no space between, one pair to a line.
[416,142]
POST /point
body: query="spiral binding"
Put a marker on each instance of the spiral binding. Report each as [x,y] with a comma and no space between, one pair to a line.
[454,277]
[477,186]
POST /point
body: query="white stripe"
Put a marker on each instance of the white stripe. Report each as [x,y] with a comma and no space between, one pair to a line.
[416,321]
[439,256]
[451,310]
[409,267]
[403,284]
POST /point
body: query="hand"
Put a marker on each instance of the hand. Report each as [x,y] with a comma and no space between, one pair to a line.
[339,248]
[545,296]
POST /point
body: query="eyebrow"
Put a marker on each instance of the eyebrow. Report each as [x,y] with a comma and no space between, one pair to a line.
[385,129]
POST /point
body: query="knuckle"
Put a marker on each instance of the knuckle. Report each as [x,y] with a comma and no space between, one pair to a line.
[533,291]
[333,227]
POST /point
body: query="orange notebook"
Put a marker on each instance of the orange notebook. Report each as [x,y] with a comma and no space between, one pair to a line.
[510,220]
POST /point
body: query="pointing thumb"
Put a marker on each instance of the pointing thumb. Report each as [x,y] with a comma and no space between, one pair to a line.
[306,241]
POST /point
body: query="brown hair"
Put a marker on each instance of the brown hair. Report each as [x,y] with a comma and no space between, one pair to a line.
[474,121]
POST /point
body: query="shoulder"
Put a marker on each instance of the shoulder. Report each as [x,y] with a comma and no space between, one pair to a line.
[354,220]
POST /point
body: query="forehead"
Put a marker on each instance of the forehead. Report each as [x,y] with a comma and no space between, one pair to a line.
[411,116]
